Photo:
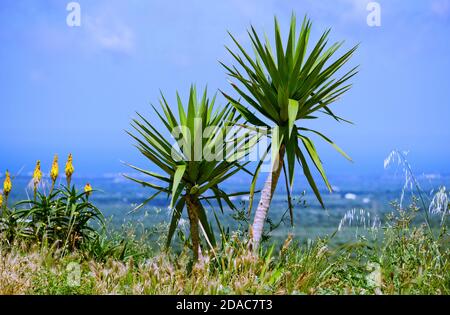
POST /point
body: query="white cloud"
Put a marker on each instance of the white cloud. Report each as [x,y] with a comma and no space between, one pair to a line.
[102,29]
[110,34]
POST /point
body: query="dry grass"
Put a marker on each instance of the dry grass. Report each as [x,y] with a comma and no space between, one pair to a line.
[405,259]
[298,270]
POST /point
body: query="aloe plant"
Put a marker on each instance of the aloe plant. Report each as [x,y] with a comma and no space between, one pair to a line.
[189,175]
[284,88]
[65,216]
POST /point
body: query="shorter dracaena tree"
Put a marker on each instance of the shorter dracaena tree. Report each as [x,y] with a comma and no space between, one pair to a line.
[284,88]
[204,154]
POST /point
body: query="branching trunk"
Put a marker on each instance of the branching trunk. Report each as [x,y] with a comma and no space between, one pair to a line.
[266,198]
[192,208]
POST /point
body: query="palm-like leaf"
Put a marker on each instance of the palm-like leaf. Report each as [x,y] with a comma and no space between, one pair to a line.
[287,86]
[187,175]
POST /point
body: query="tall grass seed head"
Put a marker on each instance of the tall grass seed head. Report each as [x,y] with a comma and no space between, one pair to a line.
[55,169]
[439,203]
[37,174]
[287,242]
[7,185]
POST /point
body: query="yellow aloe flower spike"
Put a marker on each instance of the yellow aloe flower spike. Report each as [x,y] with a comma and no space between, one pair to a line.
[37,175]
[88,189]
[69,169]
[7,185]
[55,169]
[1,200]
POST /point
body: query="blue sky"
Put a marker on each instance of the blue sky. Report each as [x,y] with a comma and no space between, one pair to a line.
[75,89]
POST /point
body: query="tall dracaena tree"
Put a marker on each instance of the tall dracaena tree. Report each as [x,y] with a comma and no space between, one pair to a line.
[203,155]
[284,88]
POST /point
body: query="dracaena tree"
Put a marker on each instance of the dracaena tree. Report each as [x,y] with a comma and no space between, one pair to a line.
[203,153]
[281,89]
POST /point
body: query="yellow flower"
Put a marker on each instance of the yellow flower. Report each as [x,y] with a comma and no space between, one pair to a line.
[88,189]
[69,169]
[1,200]
[7,185]
[37,175]
[55,169]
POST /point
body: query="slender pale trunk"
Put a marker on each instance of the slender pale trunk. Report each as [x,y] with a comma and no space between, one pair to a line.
[193,205]
[266,198]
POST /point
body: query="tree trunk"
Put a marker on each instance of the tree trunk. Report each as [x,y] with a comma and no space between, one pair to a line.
[266,198]
[192,208]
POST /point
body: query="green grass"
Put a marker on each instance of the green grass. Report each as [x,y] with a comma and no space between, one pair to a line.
[402,258]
